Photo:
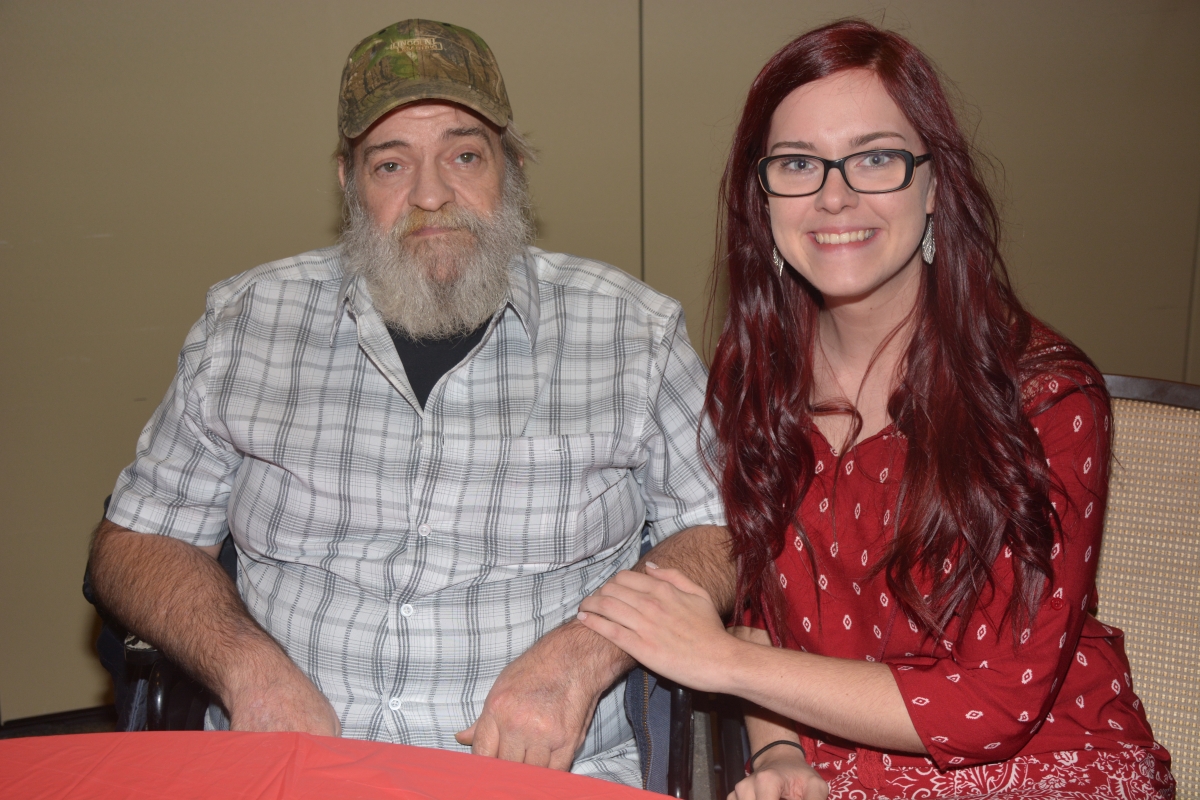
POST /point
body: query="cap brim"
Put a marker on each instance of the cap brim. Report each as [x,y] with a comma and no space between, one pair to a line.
[426,90]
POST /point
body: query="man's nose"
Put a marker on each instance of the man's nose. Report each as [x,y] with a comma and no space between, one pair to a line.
[430,191]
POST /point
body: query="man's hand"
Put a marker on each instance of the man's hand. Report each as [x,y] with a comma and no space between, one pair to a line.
[176,596]
[539,709]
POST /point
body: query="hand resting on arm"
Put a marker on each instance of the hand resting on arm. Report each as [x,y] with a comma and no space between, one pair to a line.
[176,596]
[670,624]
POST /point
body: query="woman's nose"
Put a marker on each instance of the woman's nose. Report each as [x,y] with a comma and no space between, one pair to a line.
[836,194]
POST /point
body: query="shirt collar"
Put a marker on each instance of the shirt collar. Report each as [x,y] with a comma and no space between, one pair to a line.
[523,295]
[352,292]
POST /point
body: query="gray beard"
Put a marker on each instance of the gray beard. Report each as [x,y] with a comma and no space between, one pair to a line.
[447,286]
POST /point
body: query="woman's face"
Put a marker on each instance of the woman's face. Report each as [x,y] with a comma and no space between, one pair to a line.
[845,113]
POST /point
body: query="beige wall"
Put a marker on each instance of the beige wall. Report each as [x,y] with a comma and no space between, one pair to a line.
[1084,105]
[150,149]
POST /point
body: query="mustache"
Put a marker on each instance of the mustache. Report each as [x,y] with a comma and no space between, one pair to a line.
[450,217]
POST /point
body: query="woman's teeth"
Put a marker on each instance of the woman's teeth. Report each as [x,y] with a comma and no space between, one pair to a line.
[844,238]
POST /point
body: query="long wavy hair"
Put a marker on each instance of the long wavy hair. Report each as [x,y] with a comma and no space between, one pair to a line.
[974,482]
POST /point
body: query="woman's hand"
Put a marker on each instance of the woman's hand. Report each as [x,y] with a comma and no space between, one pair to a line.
[667,623]
[779,773]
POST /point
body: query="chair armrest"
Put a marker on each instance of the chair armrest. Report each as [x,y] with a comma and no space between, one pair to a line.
[679,764]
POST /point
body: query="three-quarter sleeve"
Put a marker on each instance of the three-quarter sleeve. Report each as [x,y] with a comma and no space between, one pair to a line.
[981,696]
[179,481]
[677,487]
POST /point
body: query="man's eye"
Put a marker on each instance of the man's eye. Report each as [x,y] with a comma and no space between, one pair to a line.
[389,166]
[467,158]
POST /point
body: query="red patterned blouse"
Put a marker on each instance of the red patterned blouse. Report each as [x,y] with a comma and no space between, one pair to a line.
[1056,708]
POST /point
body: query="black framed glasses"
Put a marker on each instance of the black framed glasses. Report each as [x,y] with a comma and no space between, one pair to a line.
[869,172]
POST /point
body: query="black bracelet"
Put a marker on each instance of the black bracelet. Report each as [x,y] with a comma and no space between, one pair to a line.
[750,761]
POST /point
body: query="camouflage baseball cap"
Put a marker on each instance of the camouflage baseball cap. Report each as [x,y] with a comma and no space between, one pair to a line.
[419,60]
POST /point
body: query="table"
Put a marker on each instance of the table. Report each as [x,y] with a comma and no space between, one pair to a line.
[182,765]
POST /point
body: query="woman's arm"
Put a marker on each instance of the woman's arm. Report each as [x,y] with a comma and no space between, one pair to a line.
[781,771]
[854,700]
[670,625]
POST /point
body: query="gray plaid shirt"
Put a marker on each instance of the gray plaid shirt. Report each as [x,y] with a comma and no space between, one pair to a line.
[404,557]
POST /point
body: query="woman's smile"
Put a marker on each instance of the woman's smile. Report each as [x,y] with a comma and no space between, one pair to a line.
[843,237]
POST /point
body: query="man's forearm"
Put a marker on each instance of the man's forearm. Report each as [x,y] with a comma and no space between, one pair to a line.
[178,598]
[702,554]
[540,707]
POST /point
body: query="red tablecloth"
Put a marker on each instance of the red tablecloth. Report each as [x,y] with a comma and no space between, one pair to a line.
[197,764]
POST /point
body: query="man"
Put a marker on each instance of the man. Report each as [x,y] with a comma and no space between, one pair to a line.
[429,444]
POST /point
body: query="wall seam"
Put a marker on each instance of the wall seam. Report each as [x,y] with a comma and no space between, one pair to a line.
[641,141]
[1191,315]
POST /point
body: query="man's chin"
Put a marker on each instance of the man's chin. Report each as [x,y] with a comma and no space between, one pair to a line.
[458,240]
[442,262]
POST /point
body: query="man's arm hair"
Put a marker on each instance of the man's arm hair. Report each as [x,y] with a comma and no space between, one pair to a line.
[701,553]
[177,597]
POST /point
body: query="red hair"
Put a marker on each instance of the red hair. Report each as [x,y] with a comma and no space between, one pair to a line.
[976,483]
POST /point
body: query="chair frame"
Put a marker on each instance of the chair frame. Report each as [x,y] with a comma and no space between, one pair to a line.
[1182,396]
[1153,390]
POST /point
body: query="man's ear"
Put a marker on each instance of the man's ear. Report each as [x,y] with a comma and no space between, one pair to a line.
[342,171]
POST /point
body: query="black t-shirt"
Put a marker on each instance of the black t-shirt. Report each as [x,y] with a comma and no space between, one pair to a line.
[427,360]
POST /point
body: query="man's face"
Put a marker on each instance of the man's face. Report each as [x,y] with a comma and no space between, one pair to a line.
[420,170]
[435,213]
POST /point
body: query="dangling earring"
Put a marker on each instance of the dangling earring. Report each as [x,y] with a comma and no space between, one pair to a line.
[777,260]
[928,248]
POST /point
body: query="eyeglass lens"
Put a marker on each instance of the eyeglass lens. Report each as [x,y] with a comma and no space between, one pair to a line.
[874,171]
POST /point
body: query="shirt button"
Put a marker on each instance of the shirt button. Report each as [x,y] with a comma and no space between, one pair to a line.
[1056,603]
[394,704]
[424,530]
[406,610]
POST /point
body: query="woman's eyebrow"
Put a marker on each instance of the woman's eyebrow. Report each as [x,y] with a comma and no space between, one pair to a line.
[793,146]
[867,138]
[857,141]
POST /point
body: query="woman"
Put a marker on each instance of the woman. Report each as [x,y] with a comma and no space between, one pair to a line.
[914,469]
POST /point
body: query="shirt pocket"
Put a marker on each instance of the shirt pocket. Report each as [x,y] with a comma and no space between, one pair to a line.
[534,501]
